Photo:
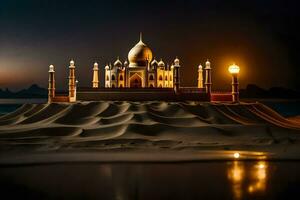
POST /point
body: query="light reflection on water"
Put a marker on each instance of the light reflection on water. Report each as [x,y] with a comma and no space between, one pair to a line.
[199,180]
[247,179]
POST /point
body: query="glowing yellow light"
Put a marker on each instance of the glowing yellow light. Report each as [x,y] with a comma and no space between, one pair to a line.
[234,69]
[236,155]
[250,189]
[235,174]
[258,177]
[261,166]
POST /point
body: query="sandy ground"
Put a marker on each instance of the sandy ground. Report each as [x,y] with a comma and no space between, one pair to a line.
[146,131]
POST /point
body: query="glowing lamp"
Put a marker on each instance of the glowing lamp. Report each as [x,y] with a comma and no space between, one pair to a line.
[236,155]
[234,69]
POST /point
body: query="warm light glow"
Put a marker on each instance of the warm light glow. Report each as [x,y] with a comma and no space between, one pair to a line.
[236,155]
[261,166]
[258,177]
[234,69]
[236,174]
[247,178]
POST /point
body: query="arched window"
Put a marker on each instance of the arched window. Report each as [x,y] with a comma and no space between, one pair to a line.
[151,77]
[113,86]
[170,78]
[151,85]
[107,77]
[160,86]
[113,77]
[166,78]
[121,77]
[121,85]
[160,77]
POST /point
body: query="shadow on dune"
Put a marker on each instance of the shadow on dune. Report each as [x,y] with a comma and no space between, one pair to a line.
[145,125]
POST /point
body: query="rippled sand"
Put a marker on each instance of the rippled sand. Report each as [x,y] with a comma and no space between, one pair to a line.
[146,131]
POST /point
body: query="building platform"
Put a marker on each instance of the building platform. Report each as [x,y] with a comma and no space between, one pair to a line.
[141,94]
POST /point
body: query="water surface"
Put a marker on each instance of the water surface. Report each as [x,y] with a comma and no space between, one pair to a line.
[199,180]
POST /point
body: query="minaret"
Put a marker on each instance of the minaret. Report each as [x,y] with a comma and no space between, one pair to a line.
[208,82]
[107,76]
[176,75]
[72,84]
[51,87]
[234,71]
[200,76]
[95,76]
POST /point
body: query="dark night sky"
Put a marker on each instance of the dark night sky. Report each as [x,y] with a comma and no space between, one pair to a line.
[259,35]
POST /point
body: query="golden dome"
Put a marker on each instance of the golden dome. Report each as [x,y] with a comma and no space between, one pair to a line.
[140,55]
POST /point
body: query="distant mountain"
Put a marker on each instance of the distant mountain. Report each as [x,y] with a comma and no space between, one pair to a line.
[34,91]
[253,91]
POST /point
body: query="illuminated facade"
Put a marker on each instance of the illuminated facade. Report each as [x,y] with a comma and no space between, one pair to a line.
[141,71]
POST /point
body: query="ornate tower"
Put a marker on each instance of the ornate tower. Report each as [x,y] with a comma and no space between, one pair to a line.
[72,84]
[107,76]
[51,87]
[208,82]
[152,82]
[176,75]
[200,76]
[95,76]
[171,78]
[160,73]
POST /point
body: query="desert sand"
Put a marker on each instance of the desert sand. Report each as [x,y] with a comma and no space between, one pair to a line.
[146,131]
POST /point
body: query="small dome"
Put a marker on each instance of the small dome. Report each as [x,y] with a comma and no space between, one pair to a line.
[72,63]
[172,66]
[95,66]
[200,67]
[106,67]
[51,68]
[139,55]
[154,62]
[176,61]
[161,63]
[125,62]
[118,63]
[207,64]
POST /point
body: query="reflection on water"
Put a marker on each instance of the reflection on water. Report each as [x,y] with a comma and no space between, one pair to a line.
[258,178]
[203,180]
[251,179]
[236,175]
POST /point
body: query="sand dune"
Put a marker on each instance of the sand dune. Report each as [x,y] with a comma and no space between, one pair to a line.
[148,127]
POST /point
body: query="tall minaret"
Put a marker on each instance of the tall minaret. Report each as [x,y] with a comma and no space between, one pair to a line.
[200,76]
[51,87]
[176,75]
[95,76]
[208,82]
[72,83]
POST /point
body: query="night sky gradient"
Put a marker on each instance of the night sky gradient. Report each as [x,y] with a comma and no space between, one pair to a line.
[260,36]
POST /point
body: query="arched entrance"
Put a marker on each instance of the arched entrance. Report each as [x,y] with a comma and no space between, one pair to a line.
[135,81]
